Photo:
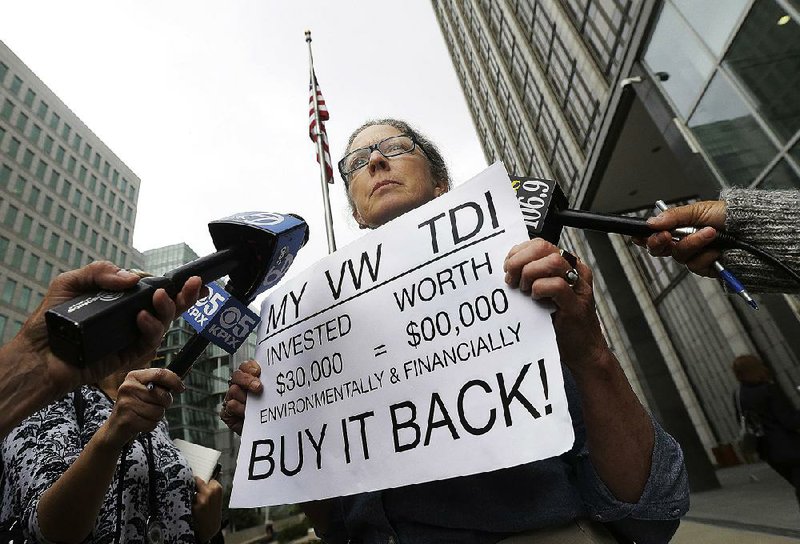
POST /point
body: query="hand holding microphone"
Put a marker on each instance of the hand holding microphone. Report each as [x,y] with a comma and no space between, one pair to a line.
[692,250]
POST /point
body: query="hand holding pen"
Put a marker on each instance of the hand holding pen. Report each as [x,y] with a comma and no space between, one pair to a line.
[693,248]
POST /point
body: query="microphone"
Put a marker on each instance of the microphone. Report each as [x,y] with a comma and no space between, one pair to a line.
[286,242]
[545,212]
[254,249]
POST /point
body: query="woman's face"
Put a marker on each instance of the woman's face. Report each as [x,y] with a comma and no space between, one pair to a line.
[387,188]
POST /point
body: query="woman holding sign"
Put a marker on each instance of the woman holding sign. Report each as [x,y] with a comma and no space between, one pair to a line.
[623,470]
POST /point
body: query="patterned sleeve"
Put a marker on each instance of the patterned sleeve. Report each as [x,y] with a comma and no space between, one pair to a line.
[769,220]
[36,454]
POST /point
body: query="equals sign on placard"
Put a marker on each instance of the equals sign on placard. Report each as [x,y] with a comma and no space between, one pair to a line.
[380,350]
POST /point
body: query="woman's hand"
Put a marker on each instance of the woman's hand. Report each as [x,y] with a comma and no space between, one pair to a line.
[537,268]
[243,381]
[139,409]
[693,249]
[207,509]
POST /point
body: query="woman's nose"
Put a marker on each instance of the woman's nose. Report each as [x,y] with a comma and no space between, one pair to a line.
[377,161]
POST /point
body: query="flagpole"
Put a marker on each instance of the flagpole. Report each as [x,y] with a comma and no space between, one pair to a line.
[321,153]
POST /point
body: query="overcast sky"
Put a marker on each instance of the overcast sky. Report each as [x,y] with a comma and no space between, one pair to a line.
[207,101]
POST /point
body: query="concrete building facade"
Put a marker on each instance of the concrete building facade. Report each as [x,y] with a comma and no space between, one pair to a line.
[65,198]
[624,102]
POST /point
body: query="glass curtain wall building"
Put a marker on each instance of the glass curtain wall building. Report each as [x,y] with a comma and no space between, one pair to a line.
[624,102]
[65,198]
[194,416]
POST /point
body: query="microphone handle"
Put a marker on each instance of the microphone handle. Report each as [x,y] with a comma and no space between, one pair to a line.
[182,363]
[604,222]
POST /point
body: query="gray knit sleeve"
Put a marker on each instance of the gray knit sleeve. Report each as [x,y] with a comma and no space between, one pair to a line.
[769,220]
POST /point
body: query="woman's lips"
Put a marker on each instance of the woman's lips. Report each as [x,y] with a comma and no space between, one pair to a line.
[383,183]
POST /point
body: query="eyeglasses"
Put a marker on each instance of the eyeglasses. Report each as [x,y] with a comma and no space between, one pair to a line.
[388,147]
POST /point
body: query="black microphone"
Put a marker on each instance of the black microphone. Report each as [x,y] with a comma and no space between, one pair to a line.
[254,249]
[545,211]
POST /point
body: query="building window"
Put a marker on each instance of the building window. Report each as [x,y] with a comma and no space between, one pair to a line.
[11,216]
[33,197]
[24,297]
[66,187]
[29,97]
[782,176]
[47,272]
[60,152]
[19,186]
[60,212]
[764,59]
[87,151]
[77,196]
[54,120]
[16,85]
[65,130]
[728,131]
[71,222]
[71,162]
[3,72]
[87,206]
[66,249]
[48,144]
[5,175]
[82,174]
[13,148]
[38,237]
[25,228]
[41,112]
[83,231]
[16,260]
[8,109]
[3,248]
[33,265]
[8,291]
[22,122]
[52,246]
[47,205]
[41,169]
[27,159]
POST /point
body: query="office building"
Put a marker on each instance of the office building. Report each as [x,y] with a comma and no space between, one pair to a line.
[65,198]
[628,101]
[194,416]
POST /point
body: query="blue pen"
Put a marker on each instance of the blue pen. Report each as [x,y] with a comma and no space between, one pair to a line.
[730,280]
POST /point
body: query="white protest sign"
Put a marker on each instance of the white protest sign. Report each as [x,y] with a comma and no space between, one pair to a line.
[404,358]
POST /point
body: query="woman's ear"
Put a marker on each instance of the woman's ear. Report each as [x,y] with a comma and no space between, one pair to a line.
[440,189]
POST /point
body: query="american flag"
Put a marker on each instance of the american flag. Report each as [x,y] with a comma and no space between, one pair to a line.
[313,87]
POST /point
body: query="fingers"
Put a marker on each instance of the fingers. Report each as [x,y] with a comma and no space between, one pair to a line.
[688,248]
[246,376]
[244,380]
[206,492]
[523,254]
[161,377]
[706,213]
[99,274]
[139,409]
[188,295]
[152,331]
[703,264]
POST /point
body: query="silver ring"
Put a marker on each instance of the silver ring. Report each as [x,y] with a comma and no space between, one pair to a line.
[571,276]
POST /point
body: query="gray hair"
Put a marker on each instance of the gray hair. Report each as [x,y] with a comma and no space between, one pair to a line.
[435,160]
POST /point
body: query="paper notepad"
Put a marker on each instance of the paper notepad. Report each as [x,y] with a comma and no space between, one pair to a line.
[202,460]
